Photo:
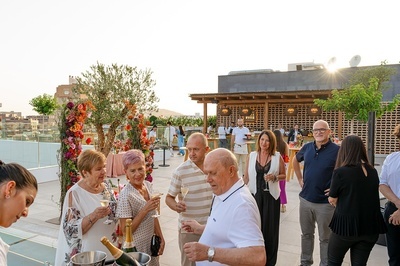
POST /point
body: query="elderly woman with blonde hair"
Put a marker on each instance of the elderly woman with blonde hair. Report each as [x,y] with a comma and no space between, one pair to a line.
[83,219]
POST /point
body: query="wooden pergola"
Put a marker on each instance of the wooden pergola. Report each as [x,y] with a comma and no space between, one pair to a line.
[265,98]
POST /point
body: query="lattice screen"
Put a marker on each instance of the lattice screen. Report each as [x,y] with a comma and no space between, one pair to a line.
[385,142]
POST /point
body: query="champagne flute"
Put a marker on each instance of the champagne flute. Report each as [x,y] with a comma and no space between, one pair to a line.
[184,191]
[156,194]
[105,202]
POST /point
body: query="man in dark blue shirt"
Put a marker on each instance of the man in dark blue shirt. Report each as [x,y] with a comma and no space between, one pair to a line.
[319,161]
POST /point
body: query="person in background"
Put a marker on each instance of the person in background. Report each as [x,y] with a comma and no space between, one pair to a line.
[181,140]
[390,188]
[265,167]
[18,189]
[281,129]
[169,135]
[196,205]
[222,131]
[232,235]
[211,129]
[239,146]
[319,161]
[153,141]
[283,149]
[231,127]
[357,220]
[293,134]
[153,134]
[82,222]
[135,202]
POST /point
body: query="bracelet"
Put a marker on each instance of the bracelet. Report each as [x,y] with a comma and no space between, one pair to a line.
[276,178]
[90,220]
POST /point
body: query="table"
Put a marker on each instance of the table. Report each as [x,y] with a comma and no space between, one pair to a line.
[114,166]
[249,145]
[214,141]
[164,147]
[292,153]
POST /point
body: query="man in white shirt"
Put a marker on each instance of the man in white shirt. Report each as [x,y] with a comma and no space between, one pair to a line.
[222,131]
[169,134]
[239,146]
[232,235]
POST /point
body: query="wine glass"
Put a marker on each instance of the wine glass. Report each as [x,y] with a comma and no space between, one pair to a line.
[156,194]
[184,191]
[105,202]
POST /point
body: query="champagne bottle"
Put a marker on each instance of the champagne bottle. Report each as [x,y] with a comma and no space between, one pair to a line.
[120,257]
[128,246]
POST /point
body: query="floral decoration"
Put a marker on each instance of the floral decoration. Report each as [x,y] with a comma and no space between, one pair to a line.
[118,145]
[137,139]
[72,119]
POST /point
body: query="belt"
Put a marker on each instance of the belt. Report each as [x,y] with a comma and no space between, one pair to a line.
[240,145]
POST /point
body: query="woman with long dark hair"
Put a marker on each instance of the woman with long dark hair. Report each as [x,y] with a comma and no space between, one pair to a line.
[357,220]
[265,167]
[18,189]
[283,149]
[181,140]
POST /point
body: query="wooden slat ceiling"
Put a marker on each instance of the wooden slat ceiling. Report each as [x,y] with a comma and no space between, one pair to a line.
[260,97]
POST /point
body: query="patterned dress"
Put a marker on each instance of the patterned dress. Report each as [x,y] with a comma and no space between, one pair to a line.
[130,202]
[70,238]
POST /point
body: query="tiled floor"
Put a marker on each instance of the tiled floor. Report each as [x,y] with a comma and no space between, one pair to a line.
[46,208]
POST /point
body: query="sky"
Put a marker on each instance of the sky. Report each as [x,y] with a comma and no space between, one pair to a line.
[186,44]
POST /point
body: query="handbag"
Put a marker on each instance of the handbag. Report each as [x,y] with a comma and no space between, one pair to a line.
[155,245]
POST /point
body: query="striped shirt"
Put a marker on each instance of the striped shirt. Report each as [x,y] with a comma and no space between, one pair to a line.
[198,199]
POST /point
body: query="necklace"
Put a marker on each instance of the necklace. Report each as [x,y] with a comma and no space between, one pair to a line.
[92,189]
[266,159]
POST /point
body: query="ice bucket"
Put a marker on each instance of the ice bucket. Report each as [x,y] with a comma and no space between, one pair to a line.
[89,258]
[141,257]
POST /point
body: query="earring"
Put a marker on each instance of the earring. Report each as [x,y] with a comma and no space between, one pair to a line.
[7,196]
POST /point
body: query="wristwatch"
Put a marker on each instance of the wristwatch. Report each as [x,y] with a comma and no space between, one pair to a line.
[211,253]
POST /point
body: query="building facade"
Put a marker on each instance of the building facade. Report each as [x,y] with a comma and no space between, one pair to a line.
[266,99]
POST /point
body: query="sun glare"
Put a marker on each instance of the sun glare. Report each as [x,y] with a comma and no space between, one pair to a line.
[331,68]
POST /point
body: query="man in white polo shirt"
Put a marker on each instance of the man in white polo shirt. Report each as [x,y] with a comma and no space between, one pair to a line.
[239,146]
[232,235]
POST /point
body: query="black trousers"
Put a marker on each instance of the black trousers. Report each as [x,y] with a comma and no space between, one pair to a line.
[392,236]
[270,215]
[360,248]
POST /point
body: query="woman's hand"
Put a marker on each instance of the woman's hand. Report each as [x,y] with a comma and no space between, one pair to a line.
[162,246]
[332,201]
[269,177]
[101,212]
[152,204]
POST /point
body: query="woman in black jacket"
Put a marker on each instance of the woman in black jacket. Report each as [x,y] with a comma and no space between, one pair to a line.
[357,220]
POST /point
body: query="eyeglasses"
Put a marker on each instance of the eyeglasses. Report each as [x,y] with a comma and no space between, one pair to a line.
[320,130]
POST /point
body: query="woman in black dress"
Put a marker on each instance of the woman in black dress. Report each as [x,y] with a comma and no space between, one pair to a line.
[357,221]
[265,167]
